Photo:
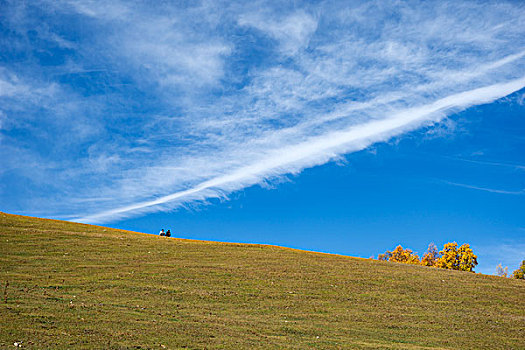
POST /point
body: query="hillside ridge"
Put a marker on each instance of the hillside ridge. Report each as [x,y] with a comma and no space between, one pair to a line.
[186,239]
[69,285]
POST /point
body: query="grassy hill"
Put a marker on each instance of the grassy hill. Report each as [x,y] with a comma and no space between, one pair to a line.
[82,286]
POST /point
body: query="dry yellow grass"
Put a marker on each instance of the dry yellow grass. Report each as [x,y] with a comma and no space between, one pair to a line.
[82,286]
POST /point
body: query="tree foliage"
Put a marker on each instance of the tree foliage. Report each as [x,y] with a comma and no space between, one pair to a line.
[451,257]
[520,272]
[467,259]
[448,257]
[502,272]
[400,255]
[431,256]
[385,256]
[454,258]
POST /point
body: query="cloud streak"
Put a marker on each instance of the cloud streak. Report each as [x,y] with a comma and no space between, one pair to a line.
[320,149]
[160,107]
[486,189]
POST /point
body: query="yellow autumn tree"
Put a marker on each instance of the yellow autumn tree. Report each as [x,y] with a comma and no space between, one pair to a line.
[431,256]
[448,257]
[467,259]
[520,273]
[405,256]
[454,258]
[413,259]
[386,256]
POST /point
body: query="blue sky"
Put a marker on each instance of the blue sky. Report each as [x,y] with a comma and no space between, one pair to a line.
[333,126]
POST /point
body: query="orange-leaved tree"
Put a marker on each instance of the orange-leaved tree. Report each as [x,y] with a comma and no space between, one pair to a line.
[520,273]
[467,259]
[405,256]
[448,257]
[431,256]
[451,257]
[386,256]
[454,258]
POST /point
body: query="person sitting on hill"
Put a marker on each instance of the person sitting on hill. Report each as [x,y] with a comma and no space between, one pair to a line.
[168,233]
[162,233]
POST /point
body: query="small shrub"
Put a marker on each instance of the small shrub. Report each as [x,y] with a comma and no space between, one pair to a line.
[502,272]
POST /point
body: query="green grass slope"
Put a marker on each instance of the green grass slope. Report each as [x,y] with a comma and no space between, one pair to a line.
[82,286]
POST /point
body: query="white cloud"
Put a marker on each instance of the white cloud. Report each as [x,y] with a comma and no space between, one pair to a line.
[171,54]
[320,149]
[486,189]
[187,103]
[293,32]
[497,164]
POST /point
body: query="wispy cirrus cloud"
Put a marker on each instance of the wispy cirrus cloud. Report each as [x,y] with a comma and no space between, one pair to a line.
[184,103]
[495,164]
[292,31]
[486,189]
